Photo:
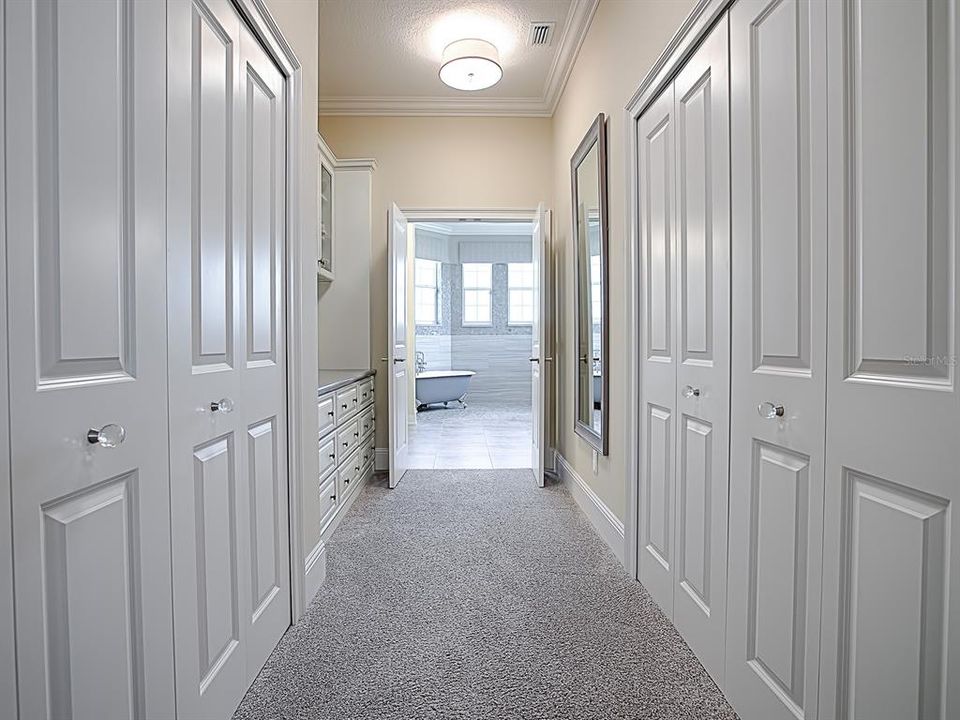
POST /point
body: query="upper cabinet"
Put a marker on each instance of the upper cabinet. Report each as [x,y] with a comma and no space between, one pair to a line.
[325,185]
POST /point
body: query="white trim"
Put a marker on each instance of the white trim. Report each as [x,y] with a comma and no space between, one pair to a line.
[369,164]
[425,215]
[315,571]
[575,29]
[8,660]
[604,520]
[381,459]
[299,415]
[465,228]
[693,29]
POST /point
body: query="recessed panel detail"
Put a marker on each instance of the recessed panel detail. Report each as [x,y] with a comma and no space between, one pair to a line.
[901,237]
[776,621]
[263,467]
[696,482]
[893,587]
[215,504]
[92,602]
[659,226]
[212,222]
[85,190]
[659,488]
[780,196]
[696,217]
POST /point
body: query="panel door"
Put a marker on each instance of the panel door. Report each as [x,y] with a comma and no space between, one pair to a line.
[538,360]
[778,335]
[397,344]
[655,142]
[702,349]
[228,410]
[891,587]
[85,285]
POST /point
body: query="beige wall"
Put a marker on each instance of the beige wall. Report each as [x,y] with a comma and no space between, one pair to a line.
[516,162]
[624,40]
[299,22]
[439,163]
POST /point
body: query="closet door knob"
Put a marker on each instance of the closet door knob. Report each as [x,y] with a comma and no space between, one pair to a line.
[223,405]
[691,391]
[109,436]
[769,410]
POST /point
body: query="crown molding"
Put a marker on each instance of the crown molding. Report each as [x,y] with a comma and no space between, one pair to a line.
[575,28]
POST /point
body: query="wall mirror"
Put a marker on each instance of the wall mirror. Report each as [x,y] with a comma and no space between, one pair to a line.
[588,169]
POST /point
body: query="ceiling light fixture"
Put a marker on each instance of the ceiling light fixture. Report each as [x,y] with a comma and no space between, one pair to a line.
[470,65]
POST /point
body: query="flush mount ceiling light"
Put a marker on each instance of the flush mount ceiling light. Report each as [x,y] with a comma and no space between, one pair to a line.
[470,65]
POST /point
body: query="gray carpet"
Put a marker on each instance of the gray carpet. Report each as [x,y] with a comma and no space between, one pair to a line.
[472,594]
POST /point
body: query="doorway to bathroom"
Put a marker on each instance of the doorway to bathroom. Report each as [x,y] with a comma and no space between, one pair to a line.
[473,321]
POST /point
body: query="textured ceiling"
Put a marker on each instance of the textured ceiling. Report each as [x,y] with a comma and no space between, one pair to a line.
[380,56]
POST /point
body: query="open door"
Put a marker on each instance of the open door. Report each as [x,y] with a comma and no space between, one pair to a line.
[397,343]
[538,355]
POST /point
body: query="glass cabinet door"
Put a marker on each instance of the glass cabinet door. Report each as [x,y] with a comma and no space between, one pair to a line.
[326,221]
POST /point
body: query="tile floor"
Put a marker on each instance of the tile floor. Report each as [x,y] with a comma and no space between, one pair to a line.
[477,437]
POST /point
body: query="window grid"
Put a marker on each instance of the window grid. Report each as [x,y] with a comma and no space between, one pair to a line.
[520,294]
[426,292]
[477,290]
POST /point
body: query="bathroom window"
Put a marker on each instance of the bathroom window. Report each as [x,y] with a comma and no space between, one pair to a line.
[520,293]
[595,288]
[427,292]
[477,286]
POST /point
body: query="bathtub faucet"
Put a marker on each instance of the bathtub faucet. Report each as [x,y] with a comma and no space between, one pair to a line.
[421,362]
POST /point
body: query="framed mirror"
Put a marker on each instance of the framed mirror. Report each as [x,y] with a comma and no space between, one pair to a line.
[588,171]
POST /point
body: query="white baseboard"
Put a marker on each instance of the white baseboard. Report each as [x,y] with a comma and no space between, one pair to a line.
[315,571]
[608,526]
[381,460]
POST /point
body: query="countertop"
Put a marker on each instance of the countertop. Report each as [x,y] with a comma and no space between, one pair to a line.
[329,380]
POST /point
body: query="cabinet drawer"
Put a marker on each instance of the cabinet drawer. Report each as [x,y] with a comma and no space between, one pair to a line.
[349,472]
[367,421]
[370,447]
[366,392]
[348,437]
[325,414]
[328,454]
[329,498]
[347,402]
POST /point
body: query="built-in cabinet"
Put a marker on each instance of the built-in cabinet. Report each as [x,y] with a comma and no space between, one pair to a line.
[346,443]
[842,572]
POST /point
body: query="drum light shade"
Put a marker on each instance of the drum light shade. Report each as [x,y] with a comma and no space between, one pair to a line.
[470,65]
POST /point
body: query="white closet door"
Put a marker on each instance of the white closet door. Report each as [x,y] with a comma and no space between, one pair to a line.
[85,284]
[397,344]
[538,352]
[658,342]
[891,630]
[778,107]
[228,409]
[703,349]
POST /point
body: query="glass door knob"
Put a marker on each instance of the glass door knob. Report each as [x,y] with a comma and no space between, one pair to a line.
[691,391]
[223,405]
[109,436]
[769,410]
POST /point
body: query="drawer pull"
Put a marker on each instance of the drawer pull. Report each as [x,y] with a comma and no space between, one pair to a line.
[356,434]
[330,413]
[344,406]
[346,444]
[333,497]
[346,482]
[354,401]
[357,468]
[333,456]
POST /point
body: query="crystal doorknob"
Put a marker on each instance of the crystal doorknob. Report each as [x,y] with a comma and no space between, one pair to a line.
[109,436]
[691,391]
[223,405]
[769,410]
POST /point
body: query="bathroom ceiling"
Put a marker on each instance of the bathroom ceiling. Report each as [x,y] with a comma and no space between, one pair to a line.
[382,57]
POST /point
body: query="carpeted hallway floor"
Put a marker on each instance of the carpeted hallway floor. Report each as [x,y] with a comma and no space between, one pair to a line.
[472,594]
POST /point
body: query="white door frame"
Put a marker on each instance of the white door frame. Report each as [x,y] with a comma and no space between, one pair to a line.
[8,662]
[695,28]
[423,215]
[298,267]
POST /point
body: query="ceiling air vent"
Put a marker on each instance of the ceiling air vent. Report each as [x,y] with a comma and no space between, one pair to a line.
[541,33]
